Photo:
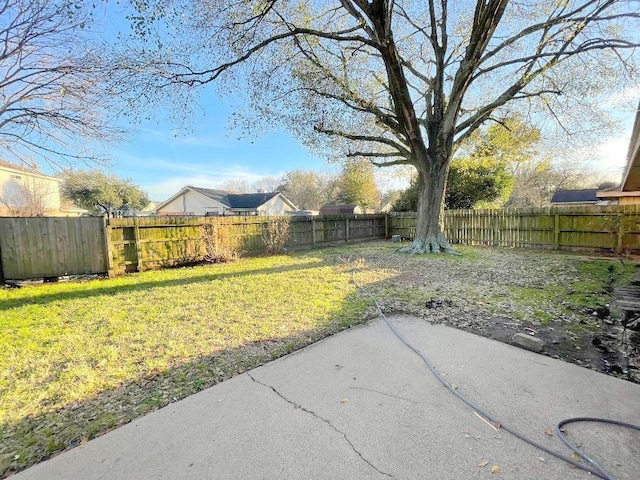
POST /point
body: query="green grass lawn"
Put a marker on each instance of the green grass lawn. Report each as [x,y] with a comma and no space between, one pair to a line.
[77,359]
[80,358]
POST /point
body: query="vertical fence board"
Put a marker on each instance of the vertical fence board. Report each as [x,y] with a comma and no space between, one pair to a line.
[51,247]
[596,228]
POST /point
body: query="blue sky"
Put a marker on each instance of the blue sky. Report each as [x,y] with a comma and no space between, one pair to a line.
[163,159]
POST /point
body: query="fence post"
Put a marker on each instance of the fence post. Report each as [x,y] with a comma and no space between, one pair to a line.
[313,231]
[620,233]
[386,225]
[346,228]
[556,232]
[136,233]
[108,248]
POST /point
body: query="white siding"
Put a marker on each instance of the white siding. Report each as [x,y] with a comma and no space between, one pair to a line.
[191,203]
[276,206]
[20,189]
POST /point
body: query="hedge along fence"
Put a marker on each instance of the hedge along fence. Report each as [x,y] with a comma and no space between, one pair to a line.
[595,228]
[142,243]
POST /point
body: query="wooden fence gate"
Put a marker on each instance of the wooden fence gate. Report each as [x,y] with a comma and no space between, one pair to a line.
[42,247]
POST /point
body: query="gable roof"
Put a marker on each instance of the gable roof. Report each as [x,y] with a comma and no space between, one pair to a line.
[575,196]
[217,195]
[236,200]
[233,201]
[631,176]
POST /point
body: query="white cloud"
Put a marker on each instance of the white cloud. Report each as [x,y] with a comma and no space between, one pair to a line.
[624,98]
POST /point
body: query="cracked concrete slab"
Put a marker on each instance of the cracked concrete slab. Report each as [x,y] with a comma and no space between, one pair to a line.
[361,405]
[331,425]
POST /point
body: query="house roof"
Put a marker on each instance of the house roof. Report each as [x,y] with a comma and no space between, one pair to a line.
[631,177]
[249,200]
[217,195]
[233,201]
[5,164]
[575,196]
[26,170]
[236,200]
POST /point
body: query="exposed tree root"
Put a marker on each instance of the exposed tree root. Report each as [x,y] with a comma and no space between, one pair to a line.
[431,244]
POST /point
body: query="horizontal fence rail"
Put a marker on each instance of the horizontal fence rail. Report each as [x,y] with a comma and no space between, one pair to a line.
[45,247]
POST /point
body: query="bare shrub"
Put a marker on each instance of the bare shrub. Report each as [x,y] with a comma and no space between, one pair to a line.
[275,235]
[219,244]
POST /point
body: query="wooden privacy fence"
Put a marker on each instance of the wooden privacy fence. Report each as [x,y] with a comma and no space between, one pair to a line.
[54,247]
[597,228]
[57,246]
[142,243]
[42,247]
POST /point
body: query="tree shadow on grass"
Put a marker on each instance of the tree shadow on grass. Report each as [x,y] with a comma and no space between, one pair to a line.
[35,438]
[99,288]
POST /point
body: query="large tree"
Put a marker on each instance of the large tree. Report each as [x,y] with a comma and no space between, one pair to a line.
[103,194]
[396,82]
[52,86]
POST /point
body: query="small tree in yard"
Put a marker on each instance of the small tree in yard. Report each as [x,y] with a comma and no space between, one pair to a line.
[397,82]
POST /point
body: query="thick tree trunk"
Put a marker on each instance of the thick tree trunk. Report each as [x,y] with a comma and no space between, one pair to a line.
[429,237]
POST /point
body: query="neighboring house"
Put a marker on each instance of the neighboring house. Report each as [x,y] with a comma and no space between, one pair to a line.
[28,192]
[585,196]
[628,192]
[147,211]
[340,210]
[387,207]
[205,201]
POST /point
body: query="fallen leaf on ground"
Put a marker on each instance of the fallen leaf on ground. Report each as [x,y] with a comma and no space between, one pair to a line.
[575,457]
[345,400]
[549,432]
[495,469]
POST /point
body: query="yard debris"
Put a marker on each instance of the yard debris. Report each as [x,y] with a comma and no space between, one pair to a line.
[530,331]
[484,463]
[496,469]
[548,432]
[495,425]
[345,400]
